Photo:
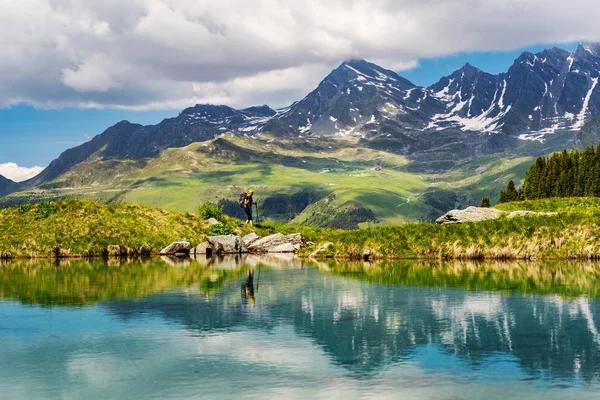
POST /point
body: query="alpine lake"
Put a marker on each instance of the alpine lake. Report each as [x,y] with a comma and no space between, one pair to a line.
[288,328]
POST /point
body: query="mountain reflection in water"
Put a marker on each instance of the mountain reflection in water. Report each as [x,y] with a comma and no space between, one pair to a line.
[367,318]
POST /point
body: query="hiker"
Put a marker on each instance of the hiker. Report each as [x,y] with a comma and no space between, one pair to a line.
[246,204]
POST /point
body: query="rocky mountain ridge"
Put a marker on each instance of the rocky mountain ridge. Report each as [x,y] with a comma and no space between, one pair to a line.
[464,115]
[541,94]
[6,185]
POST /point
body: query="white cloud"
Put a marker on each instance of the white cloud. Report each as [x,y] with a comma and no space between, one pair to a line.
[144,54]
[93,75]
[18,174]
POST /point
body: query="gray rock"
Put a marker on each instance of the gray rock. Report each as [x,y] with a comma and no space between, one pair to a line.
[250,238]
[477,214]
[213,221]
[176,247]
[203,249]
[271,243]
[283,248]
[227,244]
[296,239]
[469,214]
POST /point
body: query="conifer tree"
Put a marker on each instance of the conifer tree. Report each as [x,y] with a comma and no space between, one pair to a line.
[510,194]
[565,174]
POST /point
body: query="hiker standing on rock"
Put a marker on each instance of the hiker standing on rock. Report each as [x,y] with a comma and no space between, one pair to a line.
[246,203]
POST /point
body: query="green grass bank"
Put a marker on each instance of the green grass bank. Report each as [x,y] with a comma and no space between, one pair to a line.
[84,228]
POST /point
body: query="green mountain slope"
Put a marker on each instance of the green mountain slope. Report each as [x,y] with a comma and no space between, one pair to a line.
[341,176]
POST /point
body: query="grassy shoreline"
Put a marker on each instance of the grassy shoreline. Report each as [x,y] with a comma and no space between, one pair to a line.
[87,229]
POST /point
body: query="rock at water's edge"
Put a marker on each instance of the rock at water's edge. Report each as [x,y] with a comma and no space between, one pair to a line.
[203,249]
[176,248]
[283,248]
[250,238]
[227,244]
[272,243]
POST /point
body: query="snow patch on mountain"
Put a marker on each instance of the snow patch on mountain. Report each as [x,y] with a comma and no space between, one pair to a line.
[581,117]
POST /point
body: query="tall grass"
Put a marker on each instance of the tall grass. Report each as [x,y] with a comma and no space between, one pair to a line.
[86,228]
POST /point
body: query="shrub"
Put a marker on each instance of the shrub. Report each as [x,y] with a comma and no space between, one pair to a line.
[211,210]
[485,202]
[25,208]
[44,210]
[220,229]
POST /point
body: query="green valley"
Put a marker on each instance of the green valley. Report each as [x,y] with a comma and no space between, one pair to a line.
[337,175]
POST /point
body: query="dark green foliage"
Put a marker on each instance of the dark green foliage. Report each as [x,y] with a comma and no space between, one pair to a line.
[565,174]
[441,201]
[485,202]
[221,229]
[347,218]
[286,206]
[25,208]
[510,194]
[44,210]
[211,210]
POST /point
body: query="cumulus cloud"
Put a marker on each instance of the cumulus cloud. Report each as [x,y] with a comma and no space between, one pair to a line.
[18,174]
[143,54]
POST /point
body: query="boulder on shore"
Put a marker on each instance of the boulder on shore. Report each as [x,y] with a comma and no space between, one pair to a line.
[203,249]
[176,248]
[227,244]
[283,248]
[250,238]
[469,214]
[274,243]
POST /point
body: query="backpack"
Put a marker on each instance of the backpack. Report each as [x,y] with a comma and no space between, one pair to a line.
[242,198]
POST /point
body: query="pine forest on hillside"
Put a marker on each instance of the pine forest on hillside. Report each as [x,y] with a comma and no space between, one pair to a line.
[566,174]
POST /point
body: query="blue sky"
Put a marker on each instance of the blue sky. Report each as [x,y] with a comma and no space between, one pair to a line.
[30,136]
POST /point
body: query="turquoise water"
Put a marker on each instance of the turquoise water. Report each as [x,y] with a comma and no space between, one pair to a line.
[287,331]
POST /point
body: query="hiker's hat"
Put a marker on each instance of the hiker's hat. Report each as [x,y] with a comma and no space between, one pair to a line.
[250,191]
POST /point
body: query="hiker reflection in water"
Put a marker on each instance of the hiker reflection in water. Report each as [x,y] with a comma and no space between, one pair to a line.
[248,289]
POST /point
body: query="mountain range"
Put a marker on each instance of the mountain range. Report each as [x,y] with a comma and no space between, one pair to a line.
[541,103]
